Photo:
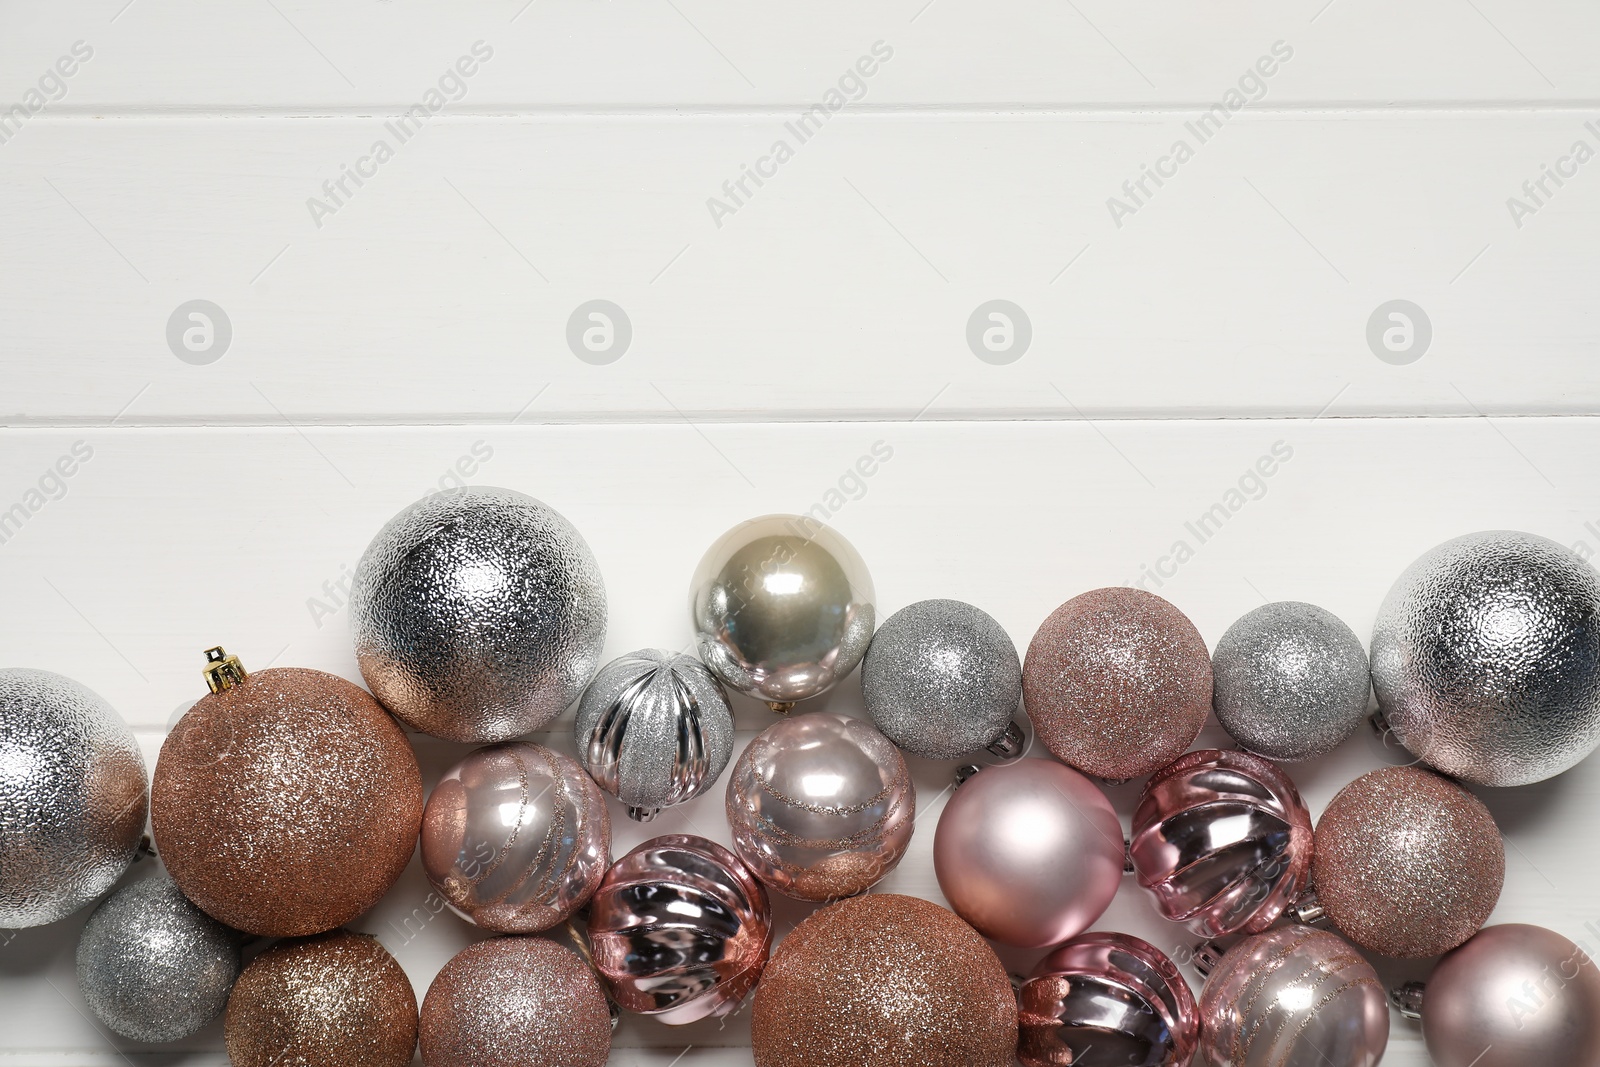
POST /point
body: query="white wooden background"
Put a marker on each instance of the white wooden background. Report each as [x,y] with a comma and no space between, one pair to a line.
[422,326]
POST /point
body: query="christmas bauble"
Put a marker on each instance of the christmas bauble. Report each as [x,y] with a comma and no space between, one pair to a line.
[338,1000]
[152,966]
[1291,681]
[884,981]
[1107,999]
[654,729]
[1293,997]
[821,806]
[1222,841]
[72,797]
[285,802]
[1512,996]
[478,615]
[1486,658]
[1407,863]
[782,608]
[1030,853]
[516,837]
[1117,682]
[680,929]
[942,679]
[515,1002]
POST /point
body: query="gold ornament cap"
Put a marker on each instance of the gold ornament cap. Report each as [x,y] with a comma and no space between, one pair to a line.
[223,671]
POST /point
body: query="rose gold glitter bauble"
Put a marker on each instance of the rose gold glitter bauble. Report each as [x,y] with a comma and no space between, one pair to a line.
[338,1000]
[884,981]
[1407,863]
[1117,682]
[515,1002]
[286,804]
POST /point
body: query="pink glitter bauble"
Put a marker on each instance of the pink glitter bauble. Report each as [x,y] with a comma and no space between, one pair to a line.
[1117,682]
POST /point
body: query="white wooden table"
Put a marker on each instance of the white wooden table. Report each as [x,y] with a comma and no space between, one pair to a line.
[361,346]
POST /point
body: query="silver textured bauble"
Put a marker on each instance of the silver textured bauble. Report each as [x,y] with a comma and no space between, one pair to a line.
[942,679]
[73,797]
[654,729]
[479,615]
[1486,658]
[1290,681]
[154,967]
[782,608]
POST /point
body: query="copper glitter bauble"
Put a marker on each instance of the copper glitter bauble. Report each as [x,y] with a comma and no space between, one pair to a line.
[1407,863]
[1117,682]
[515,1002]
[884,981]
[287,802]
[338,1000]
[516,837]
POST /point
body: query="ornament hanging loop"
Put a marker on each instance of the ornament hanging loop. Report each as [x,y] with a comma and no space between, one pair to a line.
[223,671]
[1009,745]
[1407,999]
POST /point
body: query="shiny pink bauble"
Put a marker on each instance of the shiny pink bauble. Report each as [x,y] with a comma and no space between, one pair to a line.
[1030,853]
[1222,840]
[680,929]
[1293,997]
[1106,1000]
[516,837]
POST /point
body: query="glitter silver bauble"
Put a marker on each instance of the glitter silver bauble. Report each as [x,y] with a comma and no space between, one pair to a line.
[152,966]
[1290,681]
[1486,658]
[782,608]
[73,797]
[942,679]
[479,615]
[654,729]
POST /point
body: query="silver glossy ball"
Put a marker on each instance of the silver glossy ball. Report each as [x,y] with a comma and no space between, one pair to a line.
[942,679]
[152,966]
[782,608]
[653,729]
[1486,658]
[478,615]
[73,797]
[1290,681]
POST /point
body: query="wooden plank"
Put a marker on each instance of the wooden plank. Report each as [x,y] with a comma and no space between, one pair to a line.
[165,541]
[444,287]
[303,56]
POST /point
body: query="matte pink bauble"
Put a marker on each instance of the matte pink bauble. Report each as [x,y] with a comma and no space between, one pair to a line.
[1030,853]
[1222,841]
[1514,995]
